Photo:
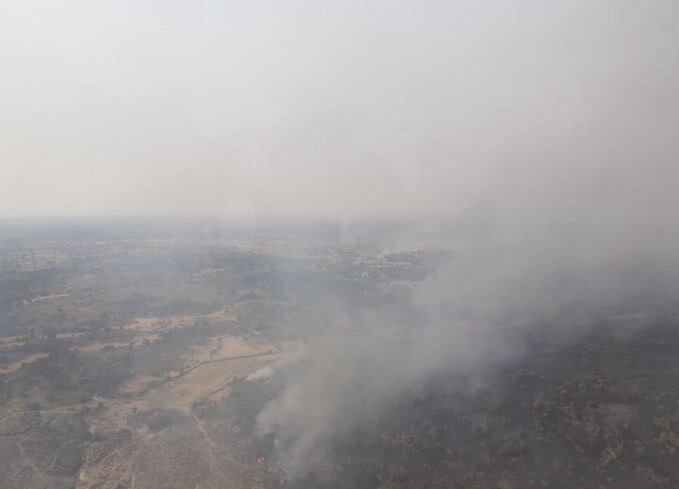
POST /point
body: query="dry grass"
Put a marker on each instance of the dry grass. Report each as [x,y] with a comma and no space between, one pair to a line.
[13,367]
[204,380]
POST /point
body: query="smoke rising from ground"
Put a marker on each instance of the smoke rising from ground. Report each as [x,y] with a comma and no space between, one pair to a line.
[569,218]
[473,315]
[557,273]
[546,133]
[562,255]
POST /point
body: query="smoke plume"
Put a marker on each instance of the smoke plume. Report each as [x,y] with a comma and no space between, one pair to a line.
[574,221]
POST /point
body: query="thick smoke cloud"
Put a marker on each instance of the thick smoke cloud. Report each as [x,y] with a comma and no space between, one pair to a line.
[557,272]
[575,223]
[519,269]
[345,382]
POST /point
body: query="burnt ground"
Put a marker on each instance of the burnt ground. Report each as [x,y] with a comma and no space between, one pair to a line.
[600,412]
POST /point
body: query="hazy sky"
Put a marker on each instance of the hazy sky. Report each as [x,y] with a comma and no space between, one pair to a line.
[340,108]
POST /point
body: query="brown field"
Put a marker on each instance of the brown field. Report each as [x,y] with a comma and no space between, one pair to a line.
[46,298]
[206,371]
[13,341]
[158,324]
[99,345]
[137,341]
[204,380]
[137,385]
[222,347]
[13,367]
